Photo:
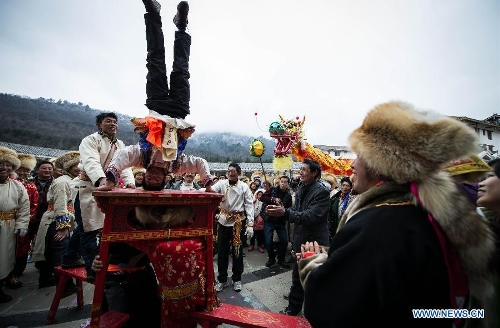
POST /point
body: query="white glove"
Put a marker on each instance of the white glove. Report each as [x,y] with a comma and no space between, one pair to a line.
[249,232]
[21,232]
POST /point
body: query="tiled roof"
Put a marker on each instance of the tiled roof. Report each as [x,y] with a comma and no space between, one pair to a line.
[251,167]
[331,148]
[46,153]
[38,152]
[471,120]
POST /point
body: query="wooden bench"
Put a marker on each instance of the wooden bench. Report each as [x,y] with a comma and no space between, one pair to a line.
[108,320]
[247,318]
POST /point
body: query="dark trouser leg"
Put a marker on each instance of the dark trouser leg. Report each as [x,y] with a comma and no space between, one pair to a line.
[268,235]
[259,234]
[283,243]
[73,252]
[296,297]
[224,242]
[135,294]
[20,265]
[90,247]
[252,240]
[238,260]
[142,291]
[176,102]
[179,78]
[54,249]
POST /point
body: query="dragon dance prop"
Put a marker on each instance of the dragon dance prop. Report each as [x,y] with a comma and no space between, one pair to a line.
[289,135]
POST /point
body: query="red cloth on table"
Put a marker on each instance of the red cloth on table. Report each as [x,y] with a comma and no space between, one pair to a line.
[181,272]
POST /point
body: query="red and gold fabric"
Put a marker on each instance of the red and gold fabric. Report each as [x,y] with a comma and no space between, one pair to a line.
[180,268]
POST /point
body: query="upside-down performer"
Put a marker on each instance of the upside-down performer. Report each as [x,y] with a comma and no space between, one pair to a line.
[179,264]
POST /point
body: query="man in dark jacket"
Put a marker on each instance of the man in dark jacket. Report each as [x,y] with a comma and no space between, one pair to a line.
[277,195]
[411,240]
[310,215]
[42,181]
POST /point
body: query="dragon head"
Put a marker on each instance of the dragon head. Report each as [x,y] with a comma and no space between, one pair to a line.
[288,134]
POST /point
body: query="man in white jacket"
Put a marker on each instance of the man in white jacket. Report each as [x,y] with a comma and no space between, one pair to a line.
[96,151]
[14,214]
[235,220]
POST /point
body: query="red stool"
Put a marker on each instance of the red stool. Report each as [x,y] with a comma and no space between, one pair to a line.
[80,275]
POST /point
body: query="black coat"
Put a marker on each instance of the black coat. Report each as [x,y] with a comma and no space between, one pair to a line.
[310,215]
[384,262]
[274,196]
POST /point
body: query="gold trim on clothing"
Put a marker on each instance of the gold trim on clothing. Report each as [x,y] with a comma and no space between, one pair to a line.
[8,215]
[69,207]
[181,291]
[395,204]
[236,228]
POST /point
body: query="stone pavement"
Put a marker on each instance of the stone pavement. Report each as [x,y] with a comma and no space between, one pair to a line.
[263,289]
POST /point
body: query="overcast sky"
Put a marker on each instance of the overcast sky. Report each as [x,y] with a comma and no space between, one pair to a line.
[329,60]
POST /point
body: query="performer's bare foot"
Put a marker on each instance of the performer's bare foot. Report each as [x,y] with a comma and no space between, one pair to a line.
[181,18]
[152,6]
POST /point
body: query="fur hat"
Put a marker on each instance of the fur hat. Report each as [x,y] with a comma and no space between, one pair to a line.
[262,190]
[330,178]
[257,174]
[28,161]
[407,145]
[9,155]
[136,170]
[67,160]
[404,144]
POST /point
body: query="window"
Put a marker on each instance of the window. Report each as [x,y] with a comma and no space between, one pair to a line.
[489,135]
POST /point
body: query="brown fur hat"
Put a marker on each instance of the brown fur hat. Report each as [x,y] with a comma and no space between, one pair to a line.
[9,155]
[330,178]
[67,160]
[161,217]
[136,170]
[257,174]
[404,144]
[28,161]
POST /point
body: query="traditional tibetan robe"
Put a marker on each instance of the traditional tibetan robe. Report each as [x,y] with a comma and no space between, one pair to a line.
[96,151]
[60,210]
[14,214]
[131,156]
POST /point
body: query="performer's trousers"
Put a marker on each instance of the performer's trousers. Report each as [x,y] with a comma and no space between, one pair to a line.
[135,294]
[89,242]
[225,240]
[173,102]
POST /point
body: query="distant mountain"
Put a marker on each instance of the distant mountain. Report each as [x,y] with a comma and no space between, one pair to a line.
[62,125]
[227,147]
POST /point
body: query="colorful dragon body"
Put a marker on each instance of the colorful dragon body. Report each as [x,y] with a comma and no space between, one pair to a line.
[289,135]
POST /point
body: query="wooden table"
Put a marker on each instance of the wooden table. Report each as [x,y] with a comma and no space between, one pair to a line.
[118,203]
